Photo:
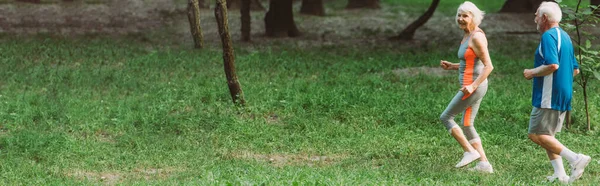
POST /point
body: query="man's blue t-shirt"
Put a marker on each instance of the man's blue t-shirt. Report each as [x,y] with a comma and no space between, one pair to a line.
[555,90]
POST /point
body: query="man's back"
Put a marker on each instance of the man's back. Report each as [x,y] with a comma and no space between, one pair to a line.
[554,91]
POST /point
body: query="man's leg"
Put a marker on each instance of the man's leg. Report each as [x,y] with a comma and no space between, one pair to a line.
[559,168]
[554,148]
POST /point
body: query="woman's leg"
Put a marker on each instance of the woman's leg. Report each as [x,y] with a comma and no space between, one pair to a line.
[459,104]
[456,106]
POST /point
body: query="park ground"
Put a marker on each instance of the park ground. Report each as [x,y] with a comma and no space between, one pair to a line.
[339,105]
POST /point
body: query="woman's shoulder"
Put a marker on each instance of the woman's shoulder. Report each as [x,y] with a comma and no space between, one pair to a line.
[479,36]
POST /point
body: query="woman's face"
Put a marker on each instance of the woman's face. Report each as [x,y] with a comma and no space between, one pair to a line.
[464,20]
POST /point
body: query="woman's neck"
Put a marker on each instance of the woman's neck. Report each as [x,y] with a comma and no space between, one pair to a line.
[468,31]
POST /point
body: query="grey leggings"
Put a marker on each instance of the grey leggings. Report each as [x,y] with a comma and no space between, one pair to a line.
[468,105]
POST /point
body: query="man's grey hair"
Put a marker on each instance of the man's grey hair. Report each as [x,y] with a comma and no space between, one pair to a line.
[550,9]
[469,7]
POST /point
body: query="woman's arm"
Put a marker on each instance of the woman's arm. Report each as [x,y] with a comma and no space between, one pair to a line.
[446,65]
[481,50]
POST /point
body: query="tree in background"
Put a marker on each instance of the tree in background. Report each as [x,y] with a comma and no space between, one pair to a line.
[279,20]
[312,7]
[193,14]
[202,4]
[587,54]
[237,95]
[237,4]
[246,21]
[29,1]
[595,3]
[409,32]
[521,6]
[352,4]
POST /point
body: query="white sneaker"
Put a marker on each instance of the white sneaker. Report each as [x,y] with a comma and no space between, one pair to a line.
[578,167]
[484,167]
[562,179]
[468,157]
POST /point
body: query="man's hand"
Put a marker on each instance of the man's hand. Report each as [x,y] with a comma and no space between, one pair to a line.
[528,74]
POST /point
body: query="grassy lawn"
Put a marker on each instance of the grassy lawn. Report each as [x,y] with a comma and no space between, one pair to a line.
[448,7]
[101,110]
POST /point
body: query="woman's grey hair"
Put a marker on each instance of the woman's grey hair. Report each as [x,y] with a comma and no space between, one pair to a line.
[469,7]
[550,9]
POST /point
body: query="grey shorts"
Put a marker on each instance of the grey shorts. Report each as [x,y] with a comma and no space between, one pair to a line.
[546,121]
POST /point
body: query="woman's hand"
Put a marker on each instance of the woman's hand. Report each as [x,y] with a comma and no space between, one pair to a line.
[469,89]
[446,65]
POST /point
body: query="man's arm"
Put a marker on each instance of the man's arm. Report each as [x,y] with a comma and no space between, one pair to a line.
[543,70]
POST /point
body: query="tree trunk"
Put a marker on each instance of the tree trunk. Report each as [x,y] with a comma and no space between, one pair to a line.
[312,7]
[279,21]
[30,1]
[202,4]
[245,11]
[352,4]
[237,4]
[568,120]
[237,95]
[194,18]
[409,32]
[597,3]
[521,6]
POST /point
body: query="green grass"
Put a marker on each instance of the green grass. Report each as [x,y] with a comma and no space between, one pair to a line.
[448,7]
[445,7]
[100,110]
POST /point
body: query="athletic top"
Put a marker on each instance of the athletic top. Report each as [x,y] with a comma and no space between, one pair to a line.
[470,65]
[555,90]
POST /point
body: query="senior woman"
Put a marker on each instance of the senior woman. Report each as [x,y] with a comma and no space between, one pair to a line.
[474,68]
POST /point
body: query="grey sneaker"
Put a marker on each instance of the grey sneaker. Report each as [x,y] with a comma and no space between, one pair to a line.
[578,167]
[484,167]
[564,179]
[468,157]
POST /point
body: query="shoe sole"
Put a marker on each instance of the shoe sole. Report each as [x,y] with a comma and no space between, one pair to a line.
[483,171]
[571,180]
[558,180]
[467,163]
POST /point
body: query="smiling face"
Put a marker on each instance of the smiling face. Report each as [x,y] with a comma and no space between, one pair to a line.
[465,20]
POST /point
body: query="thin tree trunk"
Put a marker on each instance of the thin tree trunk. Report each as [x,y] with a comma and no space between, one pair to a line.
[202,4]
[568,119]
[245,11]
[409,32]
[587,111]
[194,18]
[30,1]
[353,4]
[582,72]
[237,95]
[279,20]
[312,7]
[237,4]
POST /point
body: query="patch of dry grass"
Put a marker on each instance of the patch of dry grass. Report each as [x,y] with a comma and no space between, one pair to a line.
[285,159]
[118,177]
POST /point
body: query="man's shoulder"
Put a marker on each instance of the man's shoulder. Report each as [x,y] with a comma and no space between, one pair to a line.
[550,34]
